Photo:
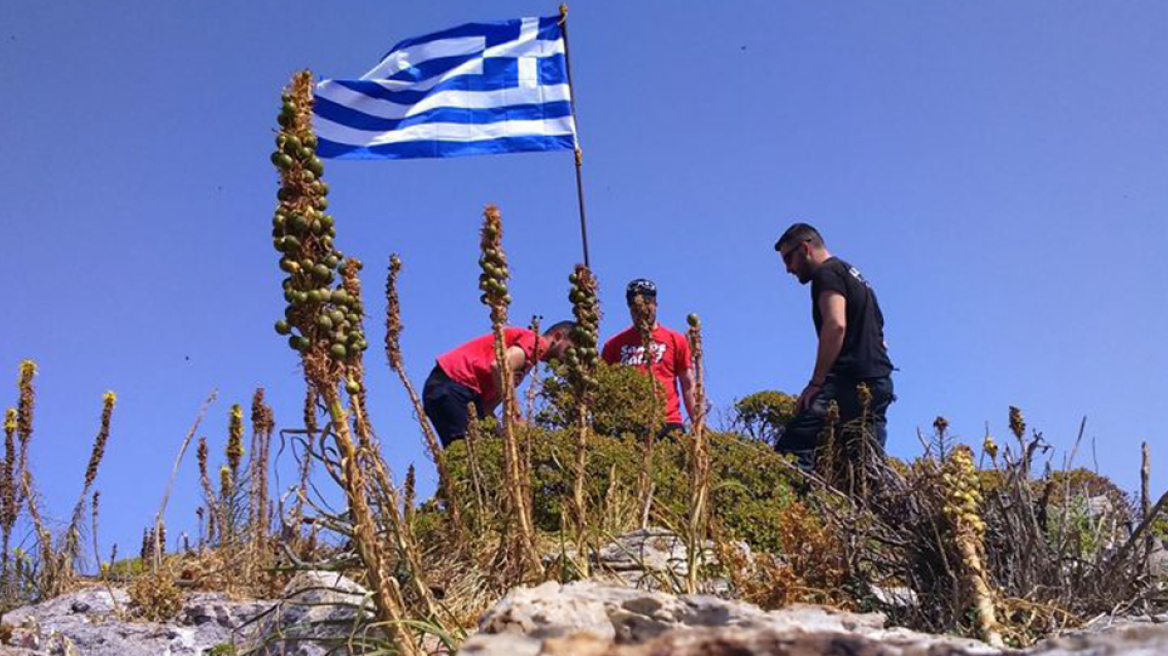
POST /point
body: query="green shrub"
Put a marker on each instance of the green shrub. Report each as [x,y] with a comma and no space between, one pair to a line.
[623,404]
[762,415]
[750,484]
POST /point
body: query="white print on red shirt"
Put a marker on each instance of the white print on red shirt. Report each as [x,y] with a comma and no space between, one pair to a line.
[635,355]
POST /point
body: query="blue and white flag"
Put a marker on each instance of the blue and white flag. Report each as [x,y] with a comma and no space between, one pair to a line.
[475,89]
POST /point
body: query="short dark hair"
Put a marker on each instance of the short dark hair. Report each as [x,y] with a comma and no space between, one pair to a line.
[799,233]
[565,326]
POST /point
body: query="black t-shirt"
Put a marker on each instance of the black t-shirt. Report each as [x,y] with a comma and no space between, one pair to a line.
[863,354]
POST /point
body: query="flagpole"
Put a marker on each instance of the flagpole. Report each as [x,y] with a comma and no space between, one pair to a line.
[576,138]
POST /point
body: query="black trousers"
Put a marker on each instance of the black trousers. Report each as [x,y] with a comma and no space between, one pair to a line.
[445,403]
[801,434]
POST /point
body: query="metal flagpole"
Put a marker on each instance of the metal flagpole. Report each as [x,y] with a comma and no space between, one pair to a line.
[576,136]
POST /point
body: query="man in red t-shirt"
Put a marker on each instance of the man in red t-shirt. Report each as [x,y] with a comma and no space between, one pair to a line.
[670,353]
[470,374]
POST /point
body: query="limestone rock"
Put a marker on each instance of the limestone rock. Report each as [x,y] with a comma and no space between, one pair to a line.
[653,559]
[85,623]
[1127,639]
[315,618]
[529,620]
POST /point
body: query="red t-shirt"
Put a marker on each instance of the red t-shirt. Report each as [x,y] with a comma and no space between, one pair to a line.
[670,360]
[471,363]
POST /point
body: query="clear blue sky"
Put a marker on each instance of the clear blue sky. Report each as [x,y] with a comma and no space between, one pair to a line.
[996,169]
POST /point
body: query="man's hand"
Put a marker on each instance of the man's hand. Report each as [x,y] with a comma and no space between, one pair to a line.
[807,396]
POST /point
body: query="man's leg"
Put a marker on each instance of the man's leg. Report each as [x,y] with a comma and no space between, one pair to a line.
[801,434]
[852,410]
[882,397]
[445,403]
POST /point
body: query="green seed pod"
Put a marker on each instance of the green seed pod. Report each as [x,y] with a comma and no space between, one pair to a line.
[299,343]
[290,244]
[286,194]
[289,107]
[289,265]
[331,261]
[279,221]
[315,165]
[324,188]
[304,153]
[289,295]
[317,228]
[338,350]
[352,386]
[301,297]
[284,120]
[298,223]
[291,144]
[324,322]
[282,327]
[327,220]
[321,203]
[693,320]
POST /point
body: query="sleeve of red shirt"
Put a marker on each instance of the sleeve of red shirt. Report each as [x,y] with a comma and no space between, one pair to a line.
[682,358]
[526,341]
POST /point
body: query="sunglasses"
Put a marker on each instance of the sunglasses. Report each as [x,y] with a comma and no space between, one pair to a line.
[791,253]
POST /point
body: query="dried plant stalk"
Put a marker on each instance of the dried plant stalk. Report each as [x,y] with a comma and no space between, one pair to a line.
[582,359]
[493,283]
[641,319]
[102,568]
[44,539]
[258,464]
[25,406]
[73,533]
[324,327]
[962,500]
[476,476]
[698,525]
[8,493]
[393,353]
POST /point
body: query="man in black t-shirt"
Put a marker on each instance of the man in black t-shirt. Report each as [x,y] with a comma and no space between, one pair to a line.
[851,344]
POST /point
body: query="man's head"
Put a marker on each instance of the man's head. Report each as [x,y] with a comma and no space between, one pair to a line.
[641,295]
[558,337]
[802,249]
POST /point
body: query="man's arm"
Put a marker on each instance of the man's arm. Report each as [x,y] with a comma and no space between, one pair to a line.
[517,361]
[833,309]
[687,393]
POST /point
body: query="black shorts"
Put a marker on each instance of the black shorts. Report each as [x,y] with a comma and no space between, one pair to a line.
[445,403]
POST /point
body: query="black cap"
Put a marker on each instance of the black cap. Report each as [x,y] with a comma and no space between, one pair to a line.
[640,287]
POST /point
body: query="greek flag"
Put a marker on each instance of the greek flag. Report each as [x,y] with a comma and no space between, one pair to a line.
[475,89]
